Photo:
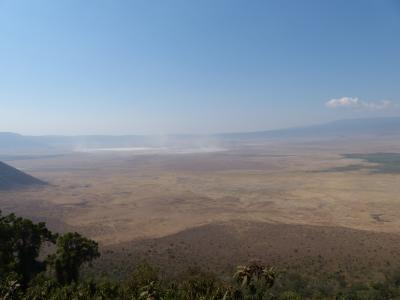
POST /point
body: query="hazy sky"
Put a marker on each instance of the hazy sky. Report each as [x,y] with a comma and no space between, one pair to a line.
[118,67]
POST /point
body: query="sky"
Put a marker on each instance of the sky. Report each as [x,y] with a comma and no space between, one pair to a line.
[163,67]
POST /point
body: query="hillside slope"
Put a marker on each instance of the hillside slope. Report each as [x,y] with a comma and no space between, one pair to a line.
[11,178]
[219,247]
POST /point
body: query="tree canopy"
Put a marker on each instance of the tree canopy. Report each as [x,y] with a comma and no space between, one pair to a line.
[73,250]
[20,243]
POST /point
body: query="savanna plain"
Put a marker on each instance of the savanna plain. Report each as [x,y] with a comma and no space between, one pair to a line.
[315,204]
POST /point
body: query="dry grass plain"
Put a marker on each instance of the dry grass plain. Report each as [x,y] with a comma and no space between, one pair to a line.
[289,197]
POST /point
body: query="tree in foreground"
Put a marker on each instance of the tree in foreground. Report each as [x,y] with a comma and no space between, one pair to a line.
[20,243]
[73,250]
[255,279]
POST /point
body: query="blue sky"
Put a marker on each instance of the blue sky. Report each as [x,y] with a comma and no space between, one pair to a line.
[134,67]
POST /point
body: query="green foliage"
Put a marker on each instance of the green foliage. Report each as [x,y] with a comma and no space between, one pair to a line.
[73,250]
[200,285]
[143,276]
[52,290]
[255,280]
[10,287]
[289,295]
[20,243]
[152,291]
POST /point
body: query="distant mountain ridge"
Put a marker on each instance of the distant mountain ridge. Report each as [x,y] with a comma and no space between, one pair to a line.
[12,144]
[345,127]
[12,178]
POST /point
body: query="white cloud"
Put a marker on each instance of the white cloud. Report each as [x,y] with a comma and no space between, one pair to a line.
[354,102]
[343,102]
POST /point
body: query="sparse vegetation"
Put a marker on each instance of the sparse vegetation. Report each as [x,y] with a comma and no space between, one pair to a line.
[384,162]
[24,276]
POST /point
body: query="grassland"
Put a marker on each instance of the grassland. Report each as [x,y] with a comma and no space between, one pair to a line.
[274,201]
